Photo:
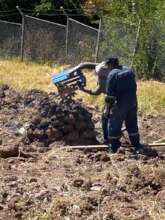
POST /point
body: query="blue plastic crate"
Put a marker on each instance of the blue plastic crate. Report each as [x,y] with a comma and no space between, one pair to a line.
[67,76]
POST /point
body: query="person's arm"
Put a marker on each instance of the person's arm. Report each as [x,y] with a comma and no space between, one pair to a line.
[86,65]
[97,91]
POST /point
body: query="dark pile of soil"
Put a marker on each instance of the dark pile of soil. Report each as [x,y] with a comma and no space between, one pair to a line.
[58,121]
[37,116]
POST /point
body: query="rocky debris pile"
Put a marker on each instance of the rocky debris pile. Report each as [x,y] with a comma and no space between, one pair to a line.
[45,118]
[69,123]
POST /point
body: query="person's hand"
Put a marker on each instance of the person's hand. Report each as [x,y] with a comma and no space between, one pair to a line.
[81,88]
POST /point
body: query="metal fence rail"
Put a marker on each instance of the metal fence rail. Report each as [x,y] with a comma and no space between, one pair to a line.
[10,38]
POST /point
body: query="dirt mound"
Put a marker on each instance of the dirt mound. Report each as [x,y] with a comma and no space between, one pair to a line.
[53,122]
[43,118]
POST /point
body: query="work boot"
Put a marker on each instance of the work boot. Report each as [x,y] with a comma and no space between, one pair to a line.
[114,145]
[113,149]
[106,142]
[139,149]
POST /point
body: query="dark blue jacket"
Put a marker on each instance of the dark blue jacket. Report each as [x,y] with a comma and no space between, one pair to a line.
[121,84]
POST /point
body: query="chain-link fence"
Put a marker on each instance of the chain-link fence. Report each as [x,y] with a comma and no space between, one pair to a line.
[43,40]
[148,58]
[82,42]
[117,38]
[10,38]
[158,49]
[38,39]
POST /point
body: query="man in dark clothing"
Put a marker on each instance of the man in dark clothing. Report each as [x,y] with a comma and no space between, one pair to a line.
[121,104]
[118,83]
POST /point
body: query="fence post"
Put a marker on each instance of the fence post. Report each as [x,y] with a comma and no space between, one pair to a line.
[23,32]
[67,31]
[98,40]
[136,43]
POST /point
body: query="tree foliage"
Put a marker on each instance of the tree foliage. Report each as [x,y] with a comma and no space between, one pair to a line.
[147,15]
[11,4]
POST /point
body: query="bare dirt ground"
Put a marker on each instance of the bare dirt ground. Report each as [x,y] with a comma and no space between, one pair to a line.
[39,180]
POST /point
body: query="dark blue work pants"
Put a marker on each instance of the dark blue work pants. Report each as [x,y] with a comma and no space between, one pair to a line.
[105,127]
[117,116]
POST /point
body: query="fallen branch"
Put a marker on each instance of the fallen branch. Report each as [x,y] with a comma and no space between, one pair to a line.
[81,147]
[104,147]
[156,144]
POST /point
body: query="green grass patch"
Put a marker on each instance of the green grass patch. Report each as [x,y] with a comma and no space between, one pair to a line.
[30,75]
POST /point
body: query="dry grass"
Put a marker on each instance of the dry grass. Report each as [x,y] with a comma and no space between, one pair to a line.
[29,75]
[26,75]
[151,95]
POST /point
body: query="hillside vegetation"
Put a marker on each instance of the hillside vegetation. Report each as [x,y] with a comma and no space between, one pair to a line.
[29,75]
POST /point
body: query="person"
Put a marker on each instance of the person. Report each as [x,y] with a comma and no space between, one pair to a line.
[102,72]
[121,105]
